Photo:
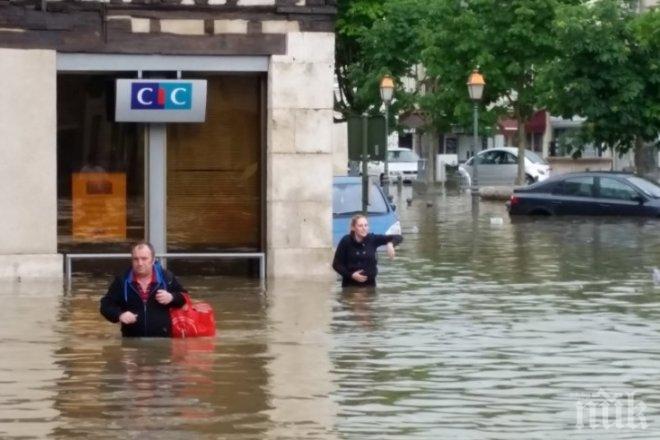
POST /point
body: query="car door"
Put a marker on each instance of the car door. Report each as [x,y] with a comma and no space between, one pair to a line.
[508,167]
[486,168]
[575,196]
[616,197]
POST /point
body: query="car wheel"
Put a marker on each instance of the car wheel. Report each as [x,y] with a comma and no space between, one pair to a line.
[529,179]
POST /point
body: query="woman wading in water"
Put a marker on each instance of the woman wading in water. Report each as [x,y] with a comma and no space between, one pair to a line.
[355,258]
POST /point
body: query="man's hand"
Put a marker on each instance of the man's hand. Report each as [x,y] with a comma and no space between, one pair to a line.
[128,318]
[359,276]
[164,297]
[390,250]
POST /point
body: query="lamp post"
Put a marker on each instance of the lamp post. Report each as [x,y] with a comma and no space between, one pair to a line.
[386,93]
[475,85]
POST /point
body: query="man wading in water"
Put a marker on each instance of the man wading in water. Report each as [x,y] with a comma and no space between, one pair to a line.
[141,299]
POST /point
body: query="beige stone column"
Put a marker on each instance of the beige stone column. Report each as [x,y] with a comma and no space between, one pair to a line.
[299,157]
[28,165]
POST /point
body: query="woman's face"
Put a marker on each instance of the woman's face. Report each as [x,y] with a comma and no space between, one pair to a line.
[361,228]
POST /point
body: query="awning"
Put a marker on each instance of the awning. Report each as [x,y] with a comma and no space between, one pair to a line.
[535,125]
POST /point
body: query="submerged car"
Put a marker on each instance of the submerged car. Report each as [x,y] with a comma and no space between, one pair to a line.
[588,193]
[499,166]
[401,163]
[347,201]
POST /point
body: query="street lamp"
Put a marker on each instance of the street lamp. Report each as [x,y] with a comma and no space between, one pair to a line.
[475,85]
[386,93]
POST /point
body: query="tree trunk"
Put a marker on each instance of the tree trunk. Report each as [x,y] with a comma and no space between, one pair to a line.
[522,145]
[645,158]
[430,157]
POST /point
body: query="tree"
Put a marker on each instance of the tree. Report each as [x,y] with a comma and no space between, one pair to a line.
[374,38]
[608,72]
[354,19]
[508,40]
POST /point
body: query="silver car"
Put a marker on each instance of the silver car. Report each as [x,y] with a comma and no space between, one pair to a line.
[499,166]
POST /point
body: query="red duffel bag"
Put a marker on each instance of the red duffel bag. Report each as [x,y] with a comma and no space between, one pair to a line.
[193,319]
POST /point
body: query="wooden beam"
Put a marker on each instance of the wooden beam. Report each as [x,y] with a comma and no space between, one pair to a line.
[118,40]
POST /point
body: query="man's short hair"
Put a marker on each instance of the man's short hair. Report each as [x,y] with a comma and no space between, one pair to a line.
[144,243]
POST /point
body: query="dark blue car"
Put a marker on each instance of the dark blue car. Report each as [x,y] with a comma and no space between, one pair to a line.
[588,193]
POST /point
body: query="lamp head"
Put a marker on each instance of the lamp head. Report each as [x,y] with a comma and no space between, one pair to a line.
[476,85]
[386,89]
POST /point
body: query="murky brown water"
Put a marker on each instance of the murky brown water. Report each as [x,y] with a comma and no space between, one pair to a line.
[477,331]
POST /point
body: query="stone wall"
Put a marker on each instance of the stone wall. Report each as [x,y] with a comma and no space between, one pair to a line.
[299,189]
[561,165]
[28,225]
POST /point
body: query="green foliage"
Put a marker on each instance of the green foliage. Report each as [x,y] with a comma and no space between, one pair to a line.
[598,59]
[608,71]
[374,38]
[354,18]
[507,40]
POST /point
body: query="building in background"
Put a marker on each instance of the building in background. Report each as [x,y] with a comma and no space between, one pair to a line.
[254,175]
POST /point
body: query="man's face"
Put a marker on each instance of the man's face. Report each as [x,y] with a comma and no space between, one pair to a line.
[142,261]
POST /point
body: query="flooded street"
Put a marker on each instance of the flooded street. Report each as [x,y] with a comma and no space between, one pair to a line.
[481,328]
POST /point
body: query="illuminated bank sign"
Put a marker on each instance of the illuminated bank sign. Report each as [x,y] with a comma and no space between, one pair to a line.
[160,100]
[161,96]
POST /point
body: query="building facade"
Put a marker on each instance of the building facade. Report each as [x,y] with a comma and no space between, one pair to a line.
[253,175]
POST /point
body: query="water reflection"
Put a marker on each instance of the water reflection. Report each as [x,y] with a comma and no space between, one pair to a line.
[479,329]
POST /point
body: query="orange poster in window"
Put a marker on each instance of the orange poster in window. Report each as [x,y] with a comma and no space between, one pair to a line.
[99,206]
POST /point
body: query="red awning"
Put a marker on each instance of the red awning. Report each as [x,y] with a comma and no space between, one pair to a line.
[535,125]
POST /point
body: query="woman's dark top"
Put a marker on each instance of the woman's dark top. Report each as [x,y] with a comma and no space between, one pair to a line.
[352,256]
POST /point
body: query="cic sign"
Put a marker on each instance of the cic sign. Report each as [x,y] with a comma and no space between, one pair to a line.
[160,100]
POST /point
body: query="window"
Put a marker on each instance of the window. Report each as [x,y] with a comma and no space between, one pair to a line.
[509,159]
[347,199]
[577,187]
[615,189]
[100,168]
[402,156]
[534,158]
[489,158]
[649,188]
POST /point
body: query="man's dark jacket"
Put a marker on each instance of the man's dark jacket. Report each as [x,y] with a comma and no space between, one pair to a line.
[153,318]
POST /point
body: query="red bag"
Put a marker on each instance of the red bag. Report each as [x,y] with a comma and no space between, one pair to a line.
[192,319]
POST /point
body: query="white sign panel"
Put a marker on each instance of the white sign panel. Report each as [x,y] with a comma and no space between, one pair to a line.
[160,100]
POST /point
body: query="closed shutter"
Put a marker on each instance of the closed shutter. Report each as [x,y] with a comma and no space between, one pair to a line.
[214,169]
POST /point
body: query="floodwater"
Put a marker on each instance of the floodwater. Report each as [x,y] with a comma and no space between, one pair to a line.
[480,329]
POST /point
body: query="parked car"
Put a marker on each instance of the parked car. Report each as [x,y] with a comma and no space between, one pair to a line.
[499,166]
[347,201]
[401,162]
[588,193]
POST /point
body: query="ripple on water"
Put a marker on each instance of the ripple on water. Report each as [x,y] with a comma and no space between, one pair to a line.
[475,332]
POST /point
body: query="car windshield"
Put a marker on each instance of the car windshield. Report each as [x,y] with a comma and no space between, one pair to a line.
[347,199]
[402,156]
[647,187]
[534,158]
